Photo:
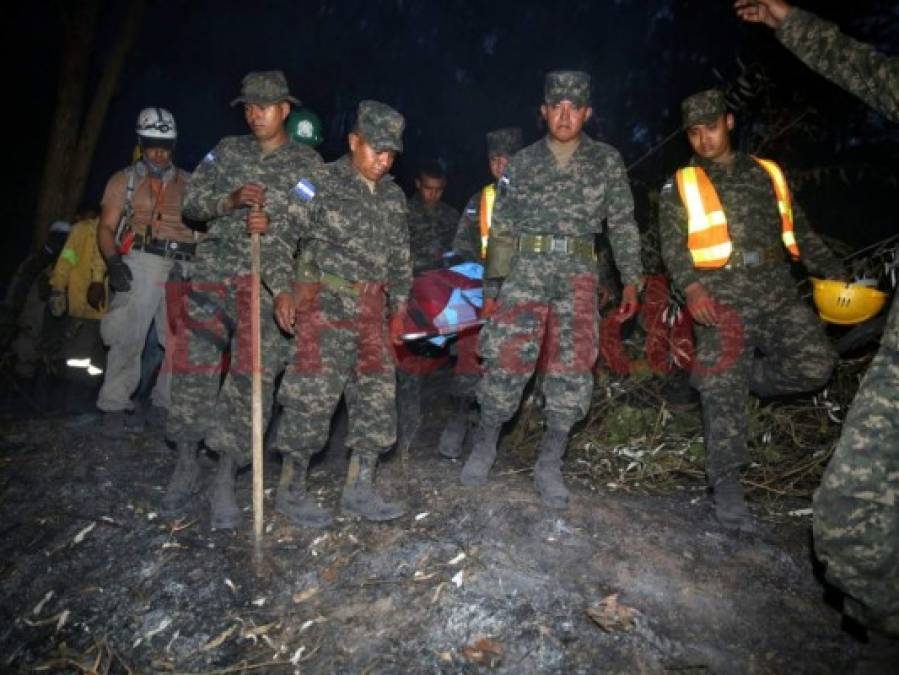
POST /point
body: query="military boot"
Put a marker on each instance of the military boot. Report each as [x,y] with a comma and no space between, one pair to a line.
[452,440]
[293,502]
[548,471]
[359,497]
[482,457]
[730,506]
[185,481]
[225,512]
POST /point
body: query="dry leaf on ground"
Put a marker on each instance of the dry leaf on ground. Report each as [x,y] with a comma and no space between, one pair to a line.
[612,615]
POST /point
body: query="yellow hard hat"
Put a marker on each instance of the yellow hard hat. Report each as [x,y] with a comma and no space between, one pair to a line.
[842,303]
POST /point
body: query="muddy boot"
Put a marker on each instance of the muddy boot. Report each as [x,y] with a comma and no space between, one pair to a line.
[730,506]
[185,481]
[548,472]
[225,512]
[359,497]
[293,502]
[452,440]
[482,456]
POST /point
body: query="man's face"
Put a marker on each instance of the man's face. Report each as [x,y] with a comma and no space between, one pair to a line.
[430,189]
[266,122]
[712,141]
[158,157]
[371,163]
[498,164]
[565,119]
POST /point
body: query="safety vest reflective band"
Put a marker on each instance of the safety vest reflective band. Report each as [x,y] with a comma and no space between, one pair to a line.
[488,196]
[707,236]
[784,205]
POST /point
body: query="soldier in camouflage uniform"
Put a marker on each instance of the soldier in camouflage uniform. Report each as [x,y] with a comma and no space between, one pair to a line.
[739,290]
[354,254]
[431,224]
[431,221]
[241,185]
[552,201]
[470,245]
[856,522]
[502,144]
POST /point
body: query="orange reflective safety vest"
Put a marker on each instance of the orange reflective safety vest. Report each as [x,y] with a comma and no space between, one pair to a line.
[488,196]
[707,236]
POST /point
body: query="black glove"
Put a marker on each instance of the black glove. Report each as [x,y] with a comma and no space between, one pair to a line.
[96,295]
[119,274]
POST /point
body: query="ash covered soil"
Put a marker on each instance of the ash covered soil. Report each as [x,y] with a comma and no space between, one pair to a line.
[95,578]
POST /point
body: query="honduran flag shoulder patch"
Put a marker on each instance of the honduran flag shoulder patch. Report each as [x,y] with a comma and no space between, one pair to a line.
[305,190]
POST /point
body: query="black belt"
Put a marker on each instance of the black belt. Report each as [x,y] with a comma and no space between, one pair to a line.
[167,248]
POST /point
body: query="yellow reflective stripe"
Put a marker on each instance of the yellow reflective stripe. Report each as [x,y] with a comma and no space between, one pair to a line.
[781,189]
[488,196]
[718,253]
[789,239]
[697,220]
[785,209]
[70,256]
[708,221]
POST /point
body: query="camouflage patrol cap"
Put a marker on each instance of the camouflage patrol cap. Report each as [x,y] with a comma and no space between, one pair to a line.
[380,125]
[703,108]
[567,85]
[505,141]
[264,88]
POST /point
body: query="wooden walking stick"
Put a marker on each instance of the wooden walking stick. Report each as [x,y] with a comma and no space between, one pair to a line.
[256,346]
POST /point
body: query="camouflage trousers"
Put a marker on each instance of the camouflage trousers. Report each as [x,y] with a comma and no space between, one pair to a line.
[771,346]
[212,367]
[547,320]
[856,521]
[345,354]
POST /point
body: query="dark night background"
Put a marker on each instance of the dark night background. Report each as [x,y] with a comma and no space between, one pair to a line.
[458,69]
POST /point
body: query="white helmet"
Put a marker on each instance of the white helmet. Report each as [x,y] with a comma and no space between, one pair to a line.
[156,123]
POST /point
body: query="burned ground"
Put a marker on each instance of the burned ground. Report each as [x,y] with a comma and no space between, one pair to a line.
[96,579]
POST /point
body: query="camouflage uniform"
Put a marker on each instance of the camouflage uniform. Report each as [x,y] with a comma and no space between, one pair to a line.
[467,242]
[856,522]
[760,298]
[549,299]
[217,298]
[429,232]
[356,239]
[467,246]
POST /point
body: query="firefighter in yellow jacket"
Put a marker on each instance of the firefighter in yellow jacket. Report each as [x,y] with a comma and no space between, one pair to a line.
[78,292]
[729,228]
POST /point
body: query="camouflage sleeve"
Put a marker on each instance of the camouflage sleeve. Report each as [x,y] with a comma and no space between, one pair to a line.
[287,216]
[855,66]
[203,198]
[502,222]
[399,265]
[673,237]
[817,258]
[467,243]
[604,273]
[624,236]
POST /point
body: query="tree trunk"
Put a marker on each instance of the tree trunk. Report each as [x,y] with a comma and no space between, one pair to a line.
[96,114]
[51,204]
